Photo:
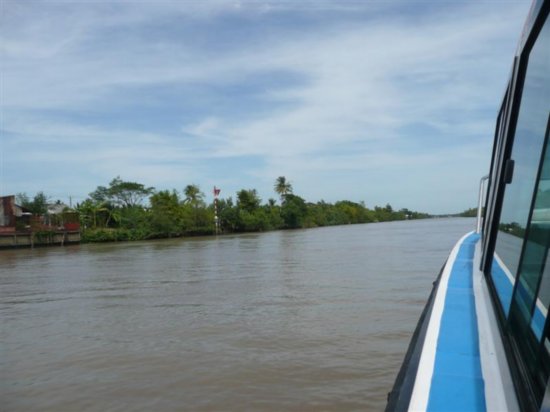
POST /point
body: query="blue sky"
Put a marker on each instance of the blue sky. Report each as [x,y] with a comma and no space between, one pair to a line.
[374,101]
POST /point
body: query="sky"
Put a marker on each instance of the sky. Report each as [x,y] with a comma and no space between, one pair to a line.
[376,101]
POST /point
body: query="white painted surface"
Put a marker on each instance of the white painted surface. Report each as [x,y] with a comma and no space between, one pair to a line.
[499,389]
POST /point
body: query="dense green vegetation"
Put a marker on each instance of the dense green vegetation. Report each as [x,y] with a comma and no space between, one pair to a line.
[130,211]
[472,212]
[512,228]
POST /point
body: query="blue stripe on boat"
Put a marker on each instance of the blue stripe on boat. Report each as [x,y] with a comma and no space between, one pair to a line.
[457,381]
[503,286]
[537,323]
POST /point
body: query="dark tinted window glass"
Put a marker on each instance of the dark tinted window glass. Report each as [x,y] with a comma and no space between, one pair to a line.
[528,309]
[534,271]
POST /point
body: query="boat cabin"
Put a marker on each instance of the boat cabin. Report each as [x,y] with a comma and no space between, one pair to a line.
[483,340]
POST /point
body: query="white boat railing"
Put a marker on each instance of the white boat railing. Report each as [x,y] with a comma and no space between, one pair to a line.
[480,202]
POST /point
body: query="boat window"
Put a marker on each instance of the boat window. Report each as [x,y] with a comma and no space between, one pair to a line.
[525,222]
[532,128]
[496,155]
[492,189]
[535,265]
[526,154]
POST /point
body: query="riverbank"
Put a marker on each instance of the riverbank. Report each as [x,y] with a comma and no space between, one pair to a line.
[37,239]
[126,211]
[104,235]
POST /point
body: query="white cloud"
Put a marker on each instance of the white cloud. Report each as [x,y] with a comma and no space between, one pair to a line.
[359,82]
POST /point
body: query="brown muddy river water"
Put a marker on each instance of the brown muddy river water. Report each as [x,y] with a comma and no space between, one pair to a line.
[306,320]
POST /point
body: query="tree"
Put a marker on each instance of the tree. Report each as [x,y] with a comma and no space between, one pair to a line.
[121,193]
[23,199]
[248,200]
[37,206]
[165,200]
[228,215]
[166,213]
[293,211]
[385,213]
[282,187]
[273,214]
[114,215]
[100,195]
[135,218]
[255,221]
[193,195]
[196,218]
[40,203]
[472,212]
[89,211]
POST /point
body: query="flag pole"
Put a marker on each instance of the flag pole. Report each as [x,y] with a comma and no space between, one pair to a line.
[216,218]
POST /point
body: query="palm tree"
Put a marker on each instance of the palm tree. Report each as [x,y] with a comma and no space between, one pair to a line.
[89,210]
[115,215]
[282,187]
[193,195]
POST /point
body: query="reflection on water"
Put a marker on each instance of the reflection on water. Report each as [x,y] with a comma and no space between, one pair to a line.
[302,320]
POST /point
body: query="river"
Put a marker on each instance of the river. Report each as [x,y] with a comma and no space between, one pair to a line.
[303,320]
